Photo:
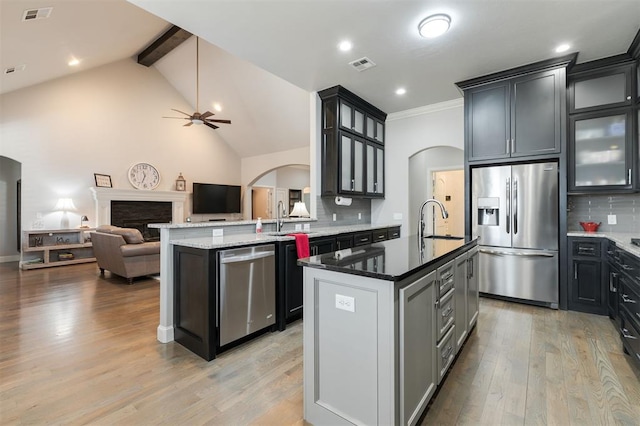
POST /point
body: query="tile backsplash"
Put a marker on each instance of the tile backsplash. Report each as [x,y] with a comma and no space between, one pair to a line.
[596,208]
[345,215]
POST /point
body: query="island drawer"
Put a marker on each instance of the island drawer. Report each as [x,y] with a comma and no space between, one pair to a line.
[630,298]
[446,278]
[446,313]
[445,353]
[630,338]
[361,238]
[380,235]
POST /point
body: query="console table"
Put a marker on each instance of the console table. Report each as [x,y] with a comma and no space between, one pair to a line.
[44,248]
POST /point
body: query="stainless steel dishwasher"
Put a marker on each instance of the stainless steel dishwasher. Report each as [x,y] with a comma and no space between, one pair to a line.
[247,291]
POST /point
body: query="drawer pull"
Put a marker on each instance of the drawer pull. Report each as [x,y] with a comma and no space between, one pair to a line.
[586,248]
[447,353]
[627,299]
[638,314]
[626,335]
[447,312]
[362,240]
[627,267]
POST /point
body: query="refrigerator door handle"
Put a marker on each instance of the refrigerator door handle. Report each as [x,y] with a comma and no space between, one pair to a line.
[508,197]
[505,253]
[515,206]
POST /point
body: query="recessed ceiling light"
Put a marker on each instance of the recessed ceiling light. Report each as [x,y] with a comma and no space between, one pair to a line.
[563,48]
[73,62]
[345,45]
[217,107]
[401,91]
[434,25]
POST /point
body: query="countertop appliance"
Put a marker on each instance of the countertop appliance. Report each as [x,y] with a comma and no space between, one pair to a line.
[247,291]
[515,216]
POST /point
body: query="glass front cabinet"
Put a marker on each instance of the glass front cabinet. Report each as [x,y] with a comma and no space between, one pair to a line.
[602,151]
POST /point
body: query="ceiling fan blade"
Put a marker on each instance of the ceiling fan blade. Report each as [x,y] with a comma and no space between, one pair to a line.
[213,120]
[181,112]
[179,118]
[188,124]
[213,126]
[206,114]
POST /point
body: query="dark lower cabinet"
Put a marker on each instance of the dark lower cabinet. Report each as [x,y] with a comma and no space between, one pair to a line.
[587,282]
[290,278]
[194,298]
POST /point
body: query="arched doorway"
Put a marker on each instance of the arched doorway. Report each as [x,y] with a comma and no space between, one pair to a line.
[288,184]
[10,209]
[444,166]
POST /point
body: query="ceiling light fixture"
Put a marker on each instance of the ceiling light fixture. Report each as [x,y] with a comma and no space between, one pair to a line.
[345,45]
[434,25]
[401,91]
[562,48]
[73,62]
[217,107]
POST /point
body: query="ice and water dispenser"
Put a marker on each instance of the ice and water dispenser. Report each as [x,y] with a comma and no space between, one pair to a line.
[488,209]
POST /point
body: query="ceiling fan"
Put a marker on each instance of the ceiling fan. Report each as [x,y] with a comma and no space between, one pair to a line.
[196,117]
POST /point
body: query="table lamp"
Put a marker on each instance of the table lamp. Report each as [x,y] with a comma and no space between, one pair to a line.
[299,210]
[83,219]
[64,205]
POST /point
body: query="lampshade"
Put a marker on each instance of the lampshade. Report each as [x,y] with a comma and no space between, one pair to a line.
[299,210]
[65,205]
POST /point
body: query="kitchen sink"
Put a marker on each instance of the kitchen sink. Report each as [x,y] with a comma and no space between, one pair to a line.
[443,237]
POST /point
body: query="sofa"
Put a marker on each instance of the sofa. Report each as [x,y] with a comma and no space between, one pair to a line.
[124,252]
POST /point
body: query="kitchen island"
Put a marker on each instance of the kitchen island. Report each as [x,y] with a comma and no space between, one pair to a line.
[382,325]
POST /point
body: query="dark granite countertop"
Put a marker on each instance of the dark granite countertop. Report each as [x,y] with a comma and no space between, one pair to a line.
[391,260]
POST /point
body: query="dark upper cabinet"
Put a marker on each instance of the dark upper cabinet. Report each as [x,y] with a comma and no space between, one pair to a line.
[603,120]
[607,87]
[352,152]
[601,151]
[374,170]
[516,113]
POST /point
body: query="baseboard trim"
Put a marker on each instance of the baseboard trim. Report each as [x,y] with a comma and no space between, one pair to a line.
[165,334]
[7,259]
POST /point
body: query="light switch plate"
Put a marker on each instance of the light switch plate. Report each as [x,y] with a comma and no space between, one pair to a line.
[612,219]
[346,303]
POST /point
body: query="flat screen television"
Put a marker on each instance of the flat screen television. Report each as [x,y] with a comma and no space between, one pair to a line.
[213,198]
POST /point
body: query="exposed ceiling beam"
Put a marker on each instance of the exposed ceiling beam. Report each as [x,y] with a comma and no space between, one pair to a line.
[168,41]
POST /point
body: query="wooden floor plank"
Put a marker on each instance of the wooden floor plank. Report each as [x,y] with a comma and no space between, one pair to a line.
[78,348]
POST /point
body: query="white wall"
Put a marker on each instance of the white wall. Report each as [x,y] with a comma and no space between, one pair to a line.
[407,133]
[102,121]
[9,175]
[293,177]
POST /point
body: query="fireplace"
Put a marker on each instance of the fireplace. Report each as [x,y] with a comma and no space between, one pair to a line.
[139,214]
[105,196]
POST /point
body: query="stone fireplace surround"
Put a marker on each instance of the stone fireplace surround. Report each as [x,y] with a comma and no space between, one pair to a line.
[104,196]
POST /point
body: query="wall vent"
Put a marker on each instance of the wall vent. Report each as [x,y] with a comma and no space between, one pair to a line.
[362,64]
[11,70]
[33,14]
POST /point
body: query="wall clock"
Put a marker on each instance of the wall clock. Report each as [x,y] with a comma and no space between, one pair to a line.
[144,176]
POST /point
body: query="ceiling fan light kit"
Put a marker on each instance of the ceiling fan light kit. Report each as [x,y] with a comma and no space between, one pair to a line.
[197,118]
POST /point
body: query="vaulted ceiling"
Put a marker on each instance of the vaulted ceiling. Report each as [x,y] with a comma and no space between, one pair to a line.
[261,58]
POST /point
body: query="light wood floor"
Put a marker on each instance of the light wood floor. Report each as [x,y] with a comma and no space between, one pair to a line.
[79,349]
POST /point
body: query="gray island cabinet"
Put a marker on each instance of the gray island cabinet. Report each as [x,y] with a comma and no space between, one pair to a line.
[380,327]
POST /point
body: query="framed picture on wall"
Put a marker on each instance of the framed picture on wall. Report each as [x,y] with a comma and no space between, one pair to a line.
[102,181]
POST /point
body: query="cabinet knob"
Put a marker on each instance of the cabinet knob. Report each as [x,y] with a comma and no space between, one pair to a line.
[628,98]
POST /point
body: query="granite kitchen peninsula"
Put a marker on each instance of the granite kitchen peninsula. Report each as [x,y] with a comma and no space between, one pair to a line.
[382,325]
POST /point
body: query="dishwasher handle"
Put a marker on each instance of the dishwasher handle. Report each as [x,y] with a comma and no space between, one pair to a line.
[247,257]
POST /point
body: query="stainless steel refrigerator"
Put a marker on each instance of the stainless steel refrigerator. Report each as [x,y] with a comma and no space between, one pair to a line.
[515,216]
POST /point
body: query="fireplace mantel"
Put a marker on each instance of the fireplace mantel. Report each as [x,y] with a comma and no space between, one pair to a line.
[104,196]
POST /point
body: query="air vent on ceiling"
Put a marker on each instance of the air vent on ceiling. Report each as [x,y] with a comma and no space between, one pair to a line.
[12,70]
[32,14]
[362,64]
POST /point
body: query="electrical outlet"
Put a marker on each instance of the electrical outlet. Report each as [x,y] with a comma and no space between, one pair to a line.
[345,303]
[397,216]
[334,217]
[612,219]
[218,232]
[307,226]
[359,216]
[298,227]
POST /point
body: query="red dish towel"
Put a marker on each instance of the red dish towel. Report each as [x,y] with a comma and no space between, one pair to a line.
[302,245]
